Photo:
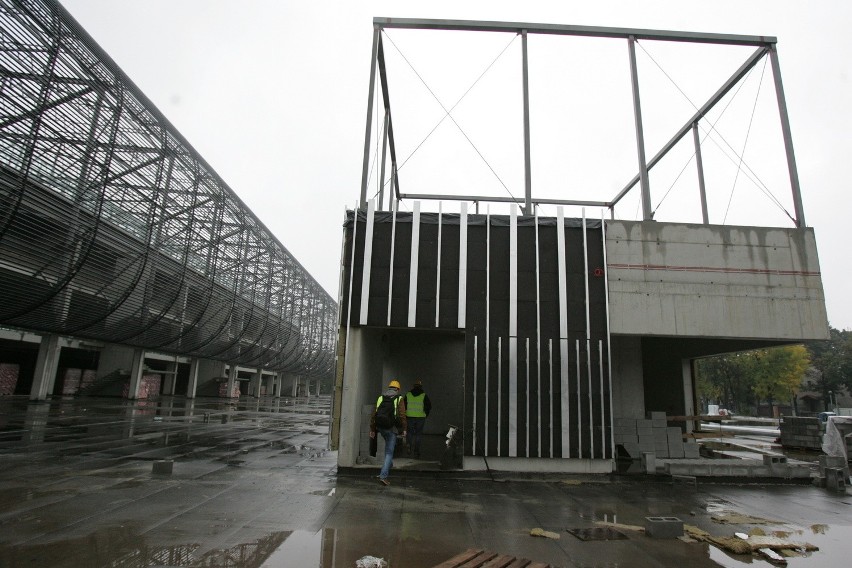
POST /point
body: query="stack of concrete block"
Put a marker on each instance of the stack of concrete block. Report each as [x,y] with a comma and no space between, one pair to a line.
[801,432]
[8,378]
[653,435]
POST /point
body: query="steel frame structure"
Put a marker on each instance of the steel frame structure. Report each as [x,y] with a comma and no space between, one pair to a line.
[765,46]
[113,228]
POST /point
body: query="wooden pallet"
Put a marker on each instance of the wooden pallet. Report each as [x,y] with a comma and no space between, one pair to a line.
[473,558]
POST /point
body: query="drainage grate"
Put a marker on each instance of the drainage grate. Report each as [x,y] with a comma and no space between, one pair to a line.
[597,533]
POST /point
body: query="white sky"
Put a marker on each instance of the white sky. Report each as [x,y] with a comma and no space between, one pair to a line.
[273,93]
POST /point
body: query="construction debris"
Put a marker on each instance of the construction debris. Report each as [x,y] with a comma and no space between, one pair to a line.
[544,533]
[371,562]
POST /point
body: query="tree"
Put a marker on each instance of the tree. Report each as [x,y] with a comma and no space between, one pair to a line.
[778,372]
[741,380]
[725,378]
[832,362]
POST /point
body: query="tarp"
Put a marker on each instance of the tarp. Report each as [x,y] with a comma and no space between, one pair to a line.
[836,429]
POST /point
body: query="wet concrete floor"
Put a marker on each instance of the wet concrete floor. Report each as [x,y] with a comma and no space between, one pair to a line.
[253,484]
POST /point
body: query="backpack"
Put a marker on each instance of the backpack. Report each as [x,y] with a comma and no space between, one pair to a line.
[386,412]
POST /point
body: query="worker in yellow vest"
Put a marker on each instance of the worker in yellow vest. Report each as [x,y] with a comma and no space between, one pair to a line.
[417,406]
[388,416]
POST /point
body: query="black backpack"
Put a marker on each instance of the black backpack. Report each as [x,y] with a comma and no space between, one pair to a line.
[386,413]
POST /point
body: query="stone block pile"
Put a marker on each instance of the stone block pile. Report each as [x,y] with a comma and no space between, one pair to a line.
[801,432]
[653,435]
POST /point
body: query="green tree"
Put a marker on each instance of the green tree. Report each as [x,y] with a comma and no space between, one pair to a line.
[726,379]
[740,380]
[778,372]
[832,364]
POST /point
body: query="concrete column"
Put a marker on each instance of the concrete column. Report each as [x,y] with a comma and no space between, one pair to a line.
[270,385]
[136,373]
[295,385]
[256,380]
[232,379]
[318,387]
[276,384]
[192,384]
[170,378]
[44,376]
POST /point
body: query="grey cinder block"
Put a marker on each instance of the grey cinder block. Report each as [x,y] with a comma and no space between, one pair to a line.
[663,527]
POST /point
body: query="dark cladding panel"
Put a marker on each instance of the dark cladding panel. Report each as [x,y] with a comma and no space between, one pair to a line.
[427,274]
[401,273]
[539,373]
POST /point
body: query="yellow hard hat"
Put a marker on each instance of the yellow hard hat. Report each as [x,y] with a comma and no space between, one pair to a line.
[395,384]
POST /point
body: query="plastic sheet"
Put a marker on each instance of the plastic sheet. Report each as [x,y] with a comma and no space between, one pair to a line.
[371,562]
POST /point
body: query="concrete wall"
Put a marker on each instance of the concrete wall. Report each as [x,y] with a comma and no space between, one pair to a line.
[628,393]
[114,358]
[376,356]
[669,279]
[438,360]
[361,383]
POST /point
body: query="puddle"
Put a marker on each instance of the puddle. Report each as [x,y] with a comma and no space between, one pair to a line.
[301,548]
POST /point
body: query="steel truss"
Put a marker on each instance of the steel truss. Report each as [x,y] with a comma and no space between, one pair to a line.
[766,46]
[113,228]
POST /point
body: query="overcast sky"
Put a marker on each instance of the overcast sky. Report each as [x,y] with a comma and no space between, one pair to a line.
[273,94]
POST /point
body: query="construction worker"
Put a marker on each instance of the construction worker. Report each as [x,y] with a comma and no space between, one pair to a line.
[418,406]
[389,414]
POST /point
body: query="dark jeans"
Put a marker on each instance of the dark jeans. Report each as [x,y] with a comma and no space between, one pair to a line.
[415,434]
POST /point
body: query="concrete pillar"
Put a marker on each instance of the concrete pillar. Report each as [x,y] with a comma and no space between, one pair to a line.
[270,385]
[256,380]
[45,370]
[318,387]
[136,373]
[170,378]
[295,385]
[192,384]
[232,379]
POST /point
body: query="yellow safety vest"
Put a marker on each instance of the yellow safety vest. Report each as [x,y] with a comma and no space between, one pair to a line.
[414,405]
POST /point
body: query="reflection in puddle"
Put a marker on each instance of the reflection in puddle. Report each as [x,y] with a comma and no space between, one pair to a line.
[301,548]
[124,548]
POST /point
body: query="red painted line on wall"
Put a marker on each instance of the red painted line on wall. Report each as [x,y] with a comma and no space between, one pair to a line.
[712,269]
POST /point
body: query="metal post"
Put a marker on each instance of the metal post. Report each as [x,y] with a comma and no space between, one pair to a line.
[384,155]
[640,136]
[363,200]
[526,86]
[700,165]
[788,138]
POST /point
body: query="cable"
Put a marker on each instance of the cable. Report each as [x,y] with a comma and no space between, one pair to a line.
[745,143]
[448,112]
[749,172]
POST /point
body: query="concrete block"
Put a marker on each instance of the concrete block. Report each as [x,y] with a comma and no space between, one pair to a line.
[631,449]
[663,527]
[644,423]
[656,415]
[649,462]
[660,435]
[835,479]
[676,452]
[774,460]
[162,467]
[673,432]
[691,451]
[643,431]
[826,462]
[659,422]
